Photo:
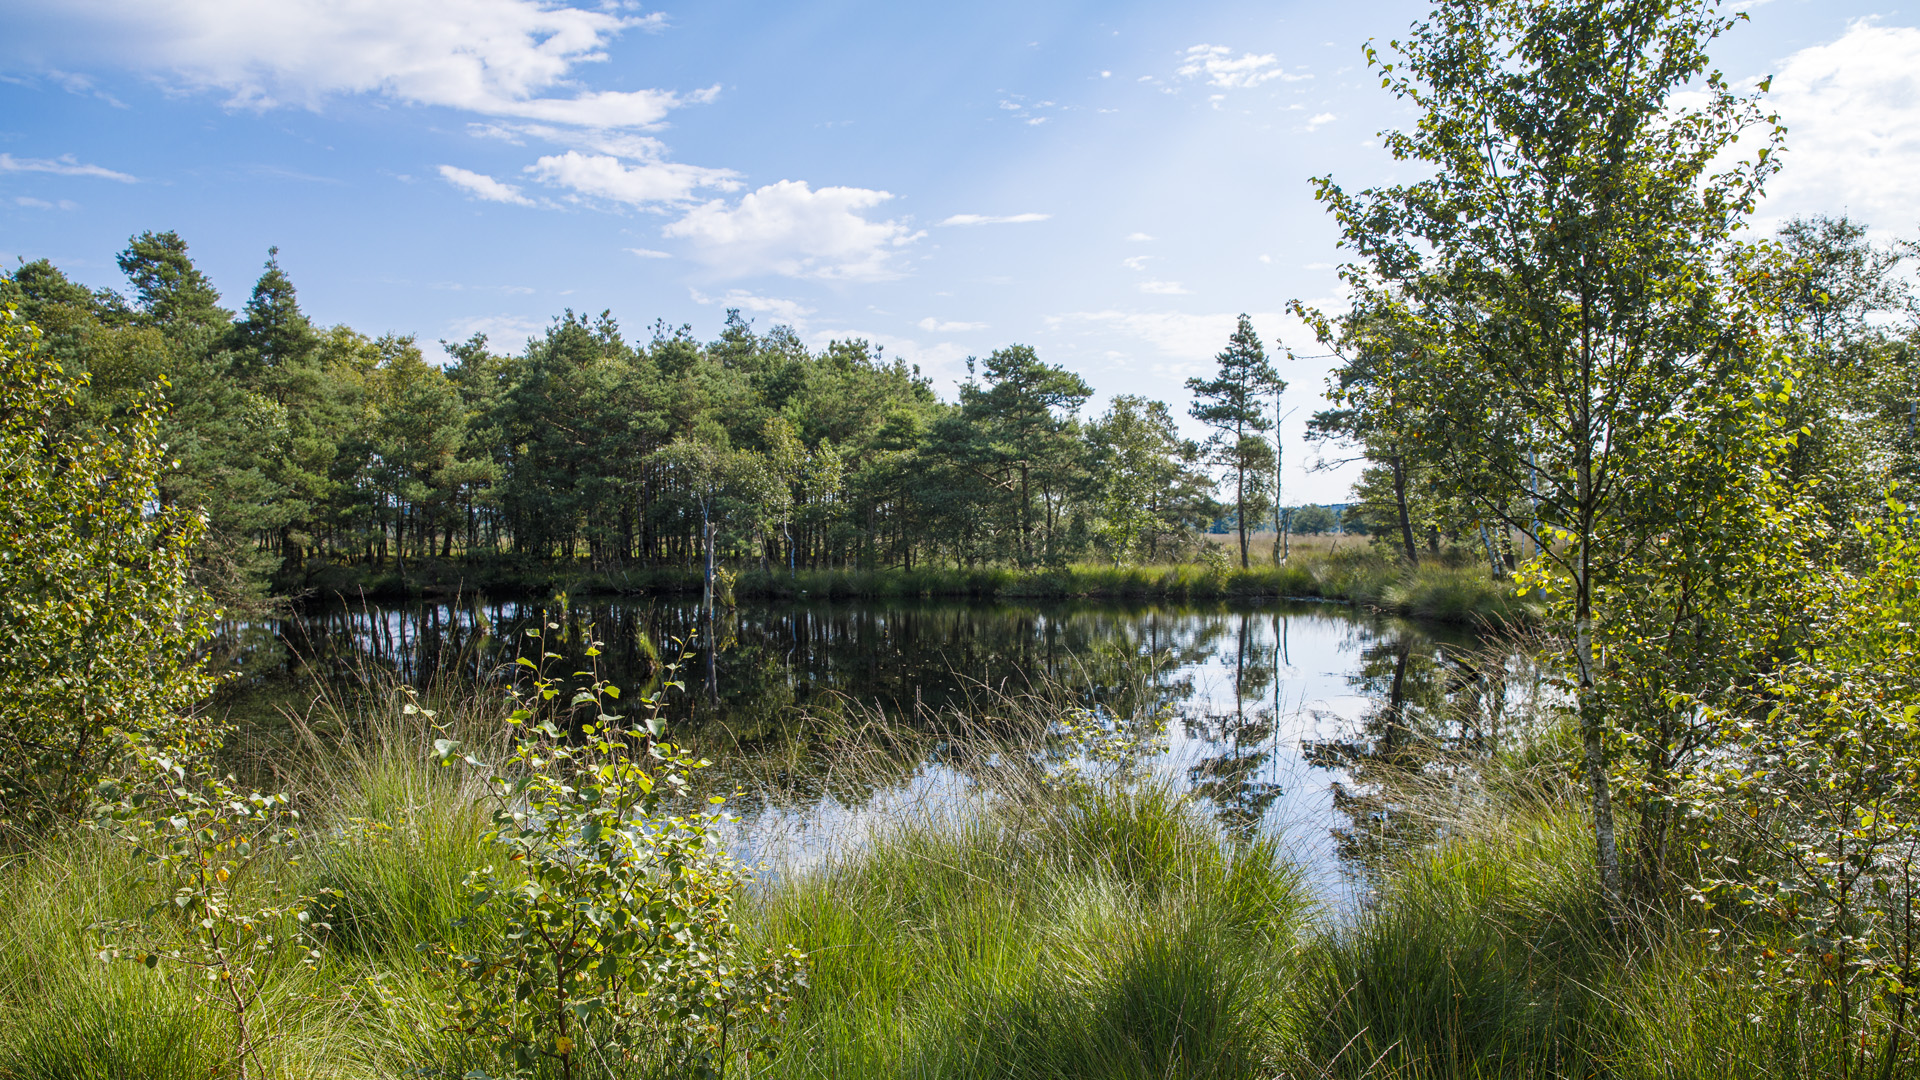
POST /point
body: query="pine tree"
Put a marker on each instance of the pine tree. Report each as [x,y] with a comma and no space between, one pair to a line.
[169,291]
[1234,404]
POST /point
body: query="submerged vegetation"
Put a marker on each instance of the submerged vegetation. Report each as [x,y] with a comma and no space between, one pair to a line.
[1692,849]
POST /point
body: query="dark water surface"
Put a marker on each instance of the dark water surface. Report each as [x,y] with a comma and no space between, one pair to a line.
[1278,717]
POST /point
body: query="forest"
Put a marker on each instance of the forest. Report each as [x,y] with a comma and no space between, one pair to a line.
[1667,824]
[308,447]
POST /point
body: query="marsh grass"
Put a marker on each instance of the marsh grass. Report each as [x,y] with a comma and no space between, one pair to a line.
[1023,921]
[1441,590]
[1099,933]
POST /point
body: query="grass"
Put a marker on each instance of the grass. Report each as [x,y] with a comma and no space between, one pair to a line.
[1098,933]
[1435,590]
[1037,928]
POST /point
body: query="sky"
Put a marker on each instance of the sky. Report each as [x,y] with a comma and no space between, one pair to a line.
[1110,183]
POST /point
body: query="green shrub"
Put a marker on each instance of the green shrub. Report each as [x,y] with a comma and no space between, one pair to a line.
[100,624]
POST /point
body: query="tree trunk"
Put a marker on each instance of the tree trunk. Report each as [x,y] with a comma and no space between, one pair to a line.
[1592,734]
[1400,500]
[1240,510]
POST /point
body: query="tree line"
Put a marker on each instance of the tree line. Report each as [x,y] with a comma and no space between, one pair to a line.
[308,446]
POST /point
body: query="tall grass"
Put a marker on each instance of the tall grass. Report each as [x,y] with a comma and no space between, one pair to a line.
[1491,954]
[1034,926]
[1096,933]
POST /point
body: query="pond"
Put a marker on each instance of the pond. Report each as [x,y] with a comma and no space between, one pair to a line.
[1278,717]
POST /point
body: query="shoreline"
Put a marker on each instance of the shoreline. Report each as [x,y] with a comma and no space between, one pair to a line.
[1431,592]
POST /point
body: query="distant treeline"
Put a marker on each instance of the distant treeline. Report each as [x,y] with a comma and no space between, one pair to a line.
[311,447]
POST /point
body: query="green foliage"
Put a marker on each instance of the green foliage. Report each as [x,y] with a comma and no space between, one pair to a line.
[168,289]
[1009,432]
[618,952]
[100,627]
[1555,290]
[1817,794]
[1146,484]
[1312,520]
[1234,404]
[206,851]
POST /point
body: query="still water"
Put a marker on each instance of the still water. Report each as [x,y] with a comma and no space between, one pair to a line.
[1278,718]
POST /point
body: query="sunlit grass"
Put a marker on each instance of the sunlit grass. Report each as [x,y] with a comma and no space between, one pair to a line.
[1037,927]
[1340,569]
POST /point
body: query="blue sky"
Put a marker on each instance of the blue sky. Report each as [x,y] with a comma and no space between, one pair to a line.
[1110,183]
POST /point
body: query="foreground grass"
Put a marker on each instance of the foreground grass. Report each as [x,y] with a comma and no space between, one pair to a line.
[1102,933]
[1044,930]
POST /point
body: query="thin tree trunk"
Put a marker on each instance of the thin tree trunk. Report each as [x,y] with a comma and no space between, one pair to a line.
[1400,499]
[1240,510]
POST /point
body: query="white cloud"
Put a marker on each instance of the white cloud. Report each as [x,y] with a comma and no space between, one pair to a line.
[481,186]
[1320,118]
[648,253]
[1137,262]
[1139,236]
[1190,339]
[988,219]
[936,326]
[42,204]
[791,312]
[942,361]
[500,328]
[1222,69]
[1266,258]
[790,229]
[494,57]
[602,176]
[64,165]
[1163,288]
[1852,109]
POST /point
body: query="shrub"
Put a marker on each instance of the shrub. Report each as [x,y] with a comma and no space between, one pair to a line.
[100,627]
[619,946]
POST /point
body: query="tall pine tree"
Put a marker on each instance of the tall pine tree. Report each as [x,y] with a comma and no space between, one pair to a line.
[1234,404]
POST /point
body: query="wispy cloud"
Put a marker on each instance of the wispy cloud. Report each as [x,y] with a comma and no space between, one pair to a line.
[64,165]
[938,326]
[498,327]
[1219,67]
[791,312]
[1853,108]
[603,176]
[989,219]
[1178,335]
[1163,288]
[482,186]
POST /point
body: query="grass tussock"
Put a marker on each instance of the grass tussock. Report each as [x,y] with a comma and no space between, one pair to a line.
[1491,954]
[1092,933]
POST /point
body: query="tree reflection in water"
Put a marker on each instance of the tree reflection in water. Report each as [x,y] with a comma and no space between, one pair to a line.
[785,695]
[1439,711]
